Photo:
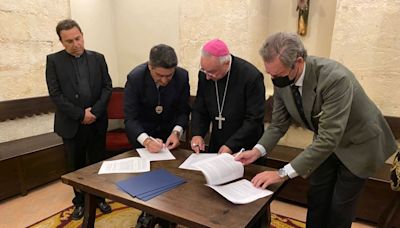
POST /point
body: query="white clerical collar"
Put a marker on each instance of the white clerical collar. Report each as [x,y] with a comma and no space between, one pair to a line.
[299,81]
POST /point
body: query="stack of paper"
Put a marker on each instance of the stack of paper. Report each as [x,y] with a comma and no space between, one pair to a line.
[125,165]
[190,162]
[150,184]
[223,169]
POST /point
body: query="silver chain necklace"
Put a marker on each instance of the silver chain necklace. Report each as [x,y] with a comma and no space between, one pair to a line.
[220,118]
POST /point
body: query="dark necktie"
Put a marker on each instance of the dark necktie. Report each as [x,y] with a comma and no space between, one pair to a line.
[299,104]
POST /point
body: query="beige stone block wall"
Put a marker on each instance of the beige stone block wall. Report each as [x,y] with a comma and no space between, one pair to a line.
[366,38]
[27,35]
[241,24]
[363,38]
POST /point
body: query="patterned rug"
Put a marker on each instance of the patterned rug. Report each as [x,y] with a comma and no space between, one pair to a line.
[123,216]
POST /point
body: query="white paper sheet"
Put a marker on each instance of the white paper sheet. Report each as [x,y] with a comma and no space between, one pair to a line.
[164,154]
[193,158]
[220,169]
[125,165]
[241,192]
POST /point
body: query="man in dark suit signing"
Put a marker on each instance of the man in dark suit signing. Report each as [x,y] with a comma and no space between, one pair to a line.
[351,137]
[156,107]
[80,87]
[157,101]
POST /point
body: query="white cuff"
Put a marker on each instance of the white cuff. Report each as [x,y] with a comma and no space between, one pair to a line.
[142,137]
[178,129]
[261,149]
[290,171]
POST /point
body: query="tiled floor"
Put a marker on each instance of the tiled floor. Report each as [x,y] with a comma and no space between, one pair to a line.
[22,211]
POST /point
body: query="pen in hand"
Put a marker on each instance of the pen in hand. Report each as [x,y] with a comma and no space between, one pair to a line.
[241,150]
[155,140]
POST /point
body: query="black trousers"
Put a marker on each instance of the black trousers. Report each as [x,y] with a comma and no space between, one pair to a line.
[333,195]
[86,148]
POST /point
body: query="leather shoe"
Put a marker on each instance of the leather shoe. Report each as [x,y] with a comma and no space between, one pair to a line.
[165,223]
[78,212]
[104,207]
[146,220]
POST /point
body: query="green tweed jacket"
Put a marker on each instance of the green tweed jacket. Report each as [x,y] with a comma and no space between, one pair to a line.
[345,121]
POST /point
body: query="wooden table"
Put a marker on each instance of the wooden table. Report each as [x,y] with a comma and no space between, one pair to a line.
[191,204]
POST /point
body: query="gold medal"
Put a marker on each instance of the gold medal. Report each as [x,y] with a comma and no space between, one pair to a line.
[159,109]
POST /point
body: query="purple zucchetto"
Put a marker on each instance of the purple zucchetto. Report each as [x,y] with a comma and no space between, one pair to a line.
[216,47]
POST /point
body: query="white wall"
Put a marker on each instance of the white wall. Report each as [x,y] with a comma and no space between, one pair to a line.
[282,17]
[141,24]
[96,19]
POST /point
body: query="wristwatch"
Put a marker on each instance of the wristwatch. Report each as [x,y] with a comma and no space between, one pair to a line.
[282,174]
[177,133]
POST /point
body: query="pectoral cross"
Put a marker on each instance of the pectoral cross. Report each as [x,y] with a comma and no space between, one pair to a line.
[220,118]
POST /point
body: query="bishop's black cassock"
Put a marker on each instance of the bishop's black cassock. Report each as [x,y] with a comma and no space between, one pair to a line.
[243,109]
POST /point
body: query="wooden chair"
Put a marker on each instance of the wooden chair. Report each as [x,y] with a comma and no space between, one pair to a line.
[117,140]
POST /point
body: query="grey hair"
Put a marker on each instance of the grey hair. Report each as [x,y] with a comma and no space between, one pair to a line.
[288,46]
[222,59]
[163,56]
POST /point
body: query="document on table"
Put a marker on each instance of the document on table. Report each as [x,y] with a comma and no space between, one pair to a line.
[221,170]
[164,154]
[126,165]
[194,158]
[241,192]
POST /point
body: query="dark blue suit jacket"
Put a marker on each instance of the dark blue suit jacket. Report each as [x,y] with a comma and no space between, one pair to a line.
[141,98]
[62,83]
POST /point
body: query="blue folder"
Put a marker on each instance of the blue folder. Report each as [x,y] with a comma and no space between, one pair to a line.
[149,195]
[150,184]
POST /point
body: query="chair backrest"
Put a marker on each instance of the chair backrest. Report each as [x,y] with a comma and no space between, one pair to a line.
[115,107]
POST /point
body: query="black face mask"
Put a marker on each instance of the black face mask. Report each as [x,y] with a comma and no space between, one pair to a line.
[282,81]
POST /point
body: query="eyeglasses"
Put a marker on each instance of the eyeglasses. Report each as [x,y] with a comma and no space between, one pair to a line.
[208,73]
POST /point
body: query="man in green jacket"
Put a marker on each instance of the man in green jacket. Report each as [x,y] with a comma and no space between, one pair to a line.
[351,137]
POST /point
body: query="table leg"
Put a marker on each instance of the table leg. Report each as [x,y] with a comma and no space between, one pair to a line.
[90,210]
[262,219]
[268,214]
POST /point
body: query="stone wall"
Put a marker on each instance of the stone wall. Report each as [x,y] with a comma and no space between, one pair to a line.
[27,35]
[366,38]
[241,24]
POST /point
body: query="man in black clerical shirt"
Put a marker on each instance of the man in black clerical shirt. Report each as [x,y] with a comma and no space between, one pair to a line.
[231,96]
[80,87]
